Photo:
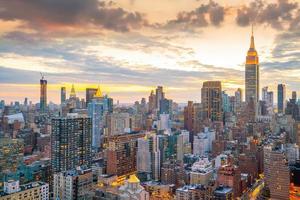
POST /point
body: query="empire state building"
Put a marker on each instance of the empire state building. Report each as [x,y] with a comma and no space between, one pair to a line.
[252,73]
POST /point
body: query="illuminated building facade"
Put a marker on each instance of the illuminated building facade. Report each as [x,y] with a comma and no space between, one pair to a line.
[122,154]
[96,112]
[211,99]
[43,95]
[277,174]
[71,142]
[252,73]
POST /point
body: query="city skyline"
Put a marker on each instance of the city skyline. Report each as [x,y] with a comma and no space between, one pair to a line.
[148,100]
[131,54]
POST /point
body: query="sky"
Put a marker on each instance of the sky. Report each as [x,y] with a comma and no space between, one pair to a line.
[128,47]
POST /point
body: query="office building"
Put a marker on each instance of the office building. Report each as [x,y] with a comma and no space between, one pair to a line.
[31,191]
[211,99]
[164,122]
[276,171]
[281,98]
[166,106]
[122,154]
[238,98]
[160,95]
[172,172]
[202,172]
[189,115]
[73,184]
[143,155]
[202,144]
[118,123]
[270,99]
[152,102]
[72,93]
[96,113]
[71,142]
[225,102]
[297,132]
[183,145]
[252,73]
[294,95]
[63,94]
[11,156]
[89,94]
[43,95]
[156,155]
[194,191]
[230,176]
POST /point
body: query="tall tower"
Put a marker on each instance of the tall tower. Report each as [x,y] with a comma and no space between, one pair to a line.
[159,96]
[89,94]
[96,112]
[63,93]
[281,95]
[211,99]
[73,93]
[43,94]
[252,73]
[71,142]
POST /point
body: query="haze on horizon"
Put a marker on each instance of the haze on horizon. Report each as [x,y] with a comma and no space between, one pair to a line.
[131,46]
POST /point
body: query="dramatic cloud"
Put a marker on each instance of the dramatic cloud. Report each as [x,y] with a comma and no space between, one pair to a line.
[211,13]
[277,15]
[70,13]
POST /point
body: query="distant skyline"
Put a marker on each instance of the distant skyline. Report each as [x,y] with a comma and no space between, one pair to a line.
[129,47]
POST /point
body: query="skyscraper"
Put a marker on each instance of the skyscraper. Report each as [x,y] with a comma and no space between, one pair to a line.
[73,184]
[166,106]
[294,95]
[152,102]
[122,154]
[281,95]
[96,112]
[73,93]
[63,94]
[143,156]
[159,96]
[276,173]
[264,94]
[252,73]
[183,144]
[238,99]
[117,123]
[89,94]
[211,99]
[189,115]
[71,142]
[270,99]
[43,95]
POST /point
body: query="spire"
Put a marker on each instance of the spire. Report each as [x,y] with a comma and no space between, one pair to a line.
[252,45]
[98,93]
[73,94]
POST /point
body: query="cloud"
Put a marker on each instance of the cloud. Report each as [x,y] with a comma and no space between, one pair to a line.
[70,13]
[211,13]
[277,15]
